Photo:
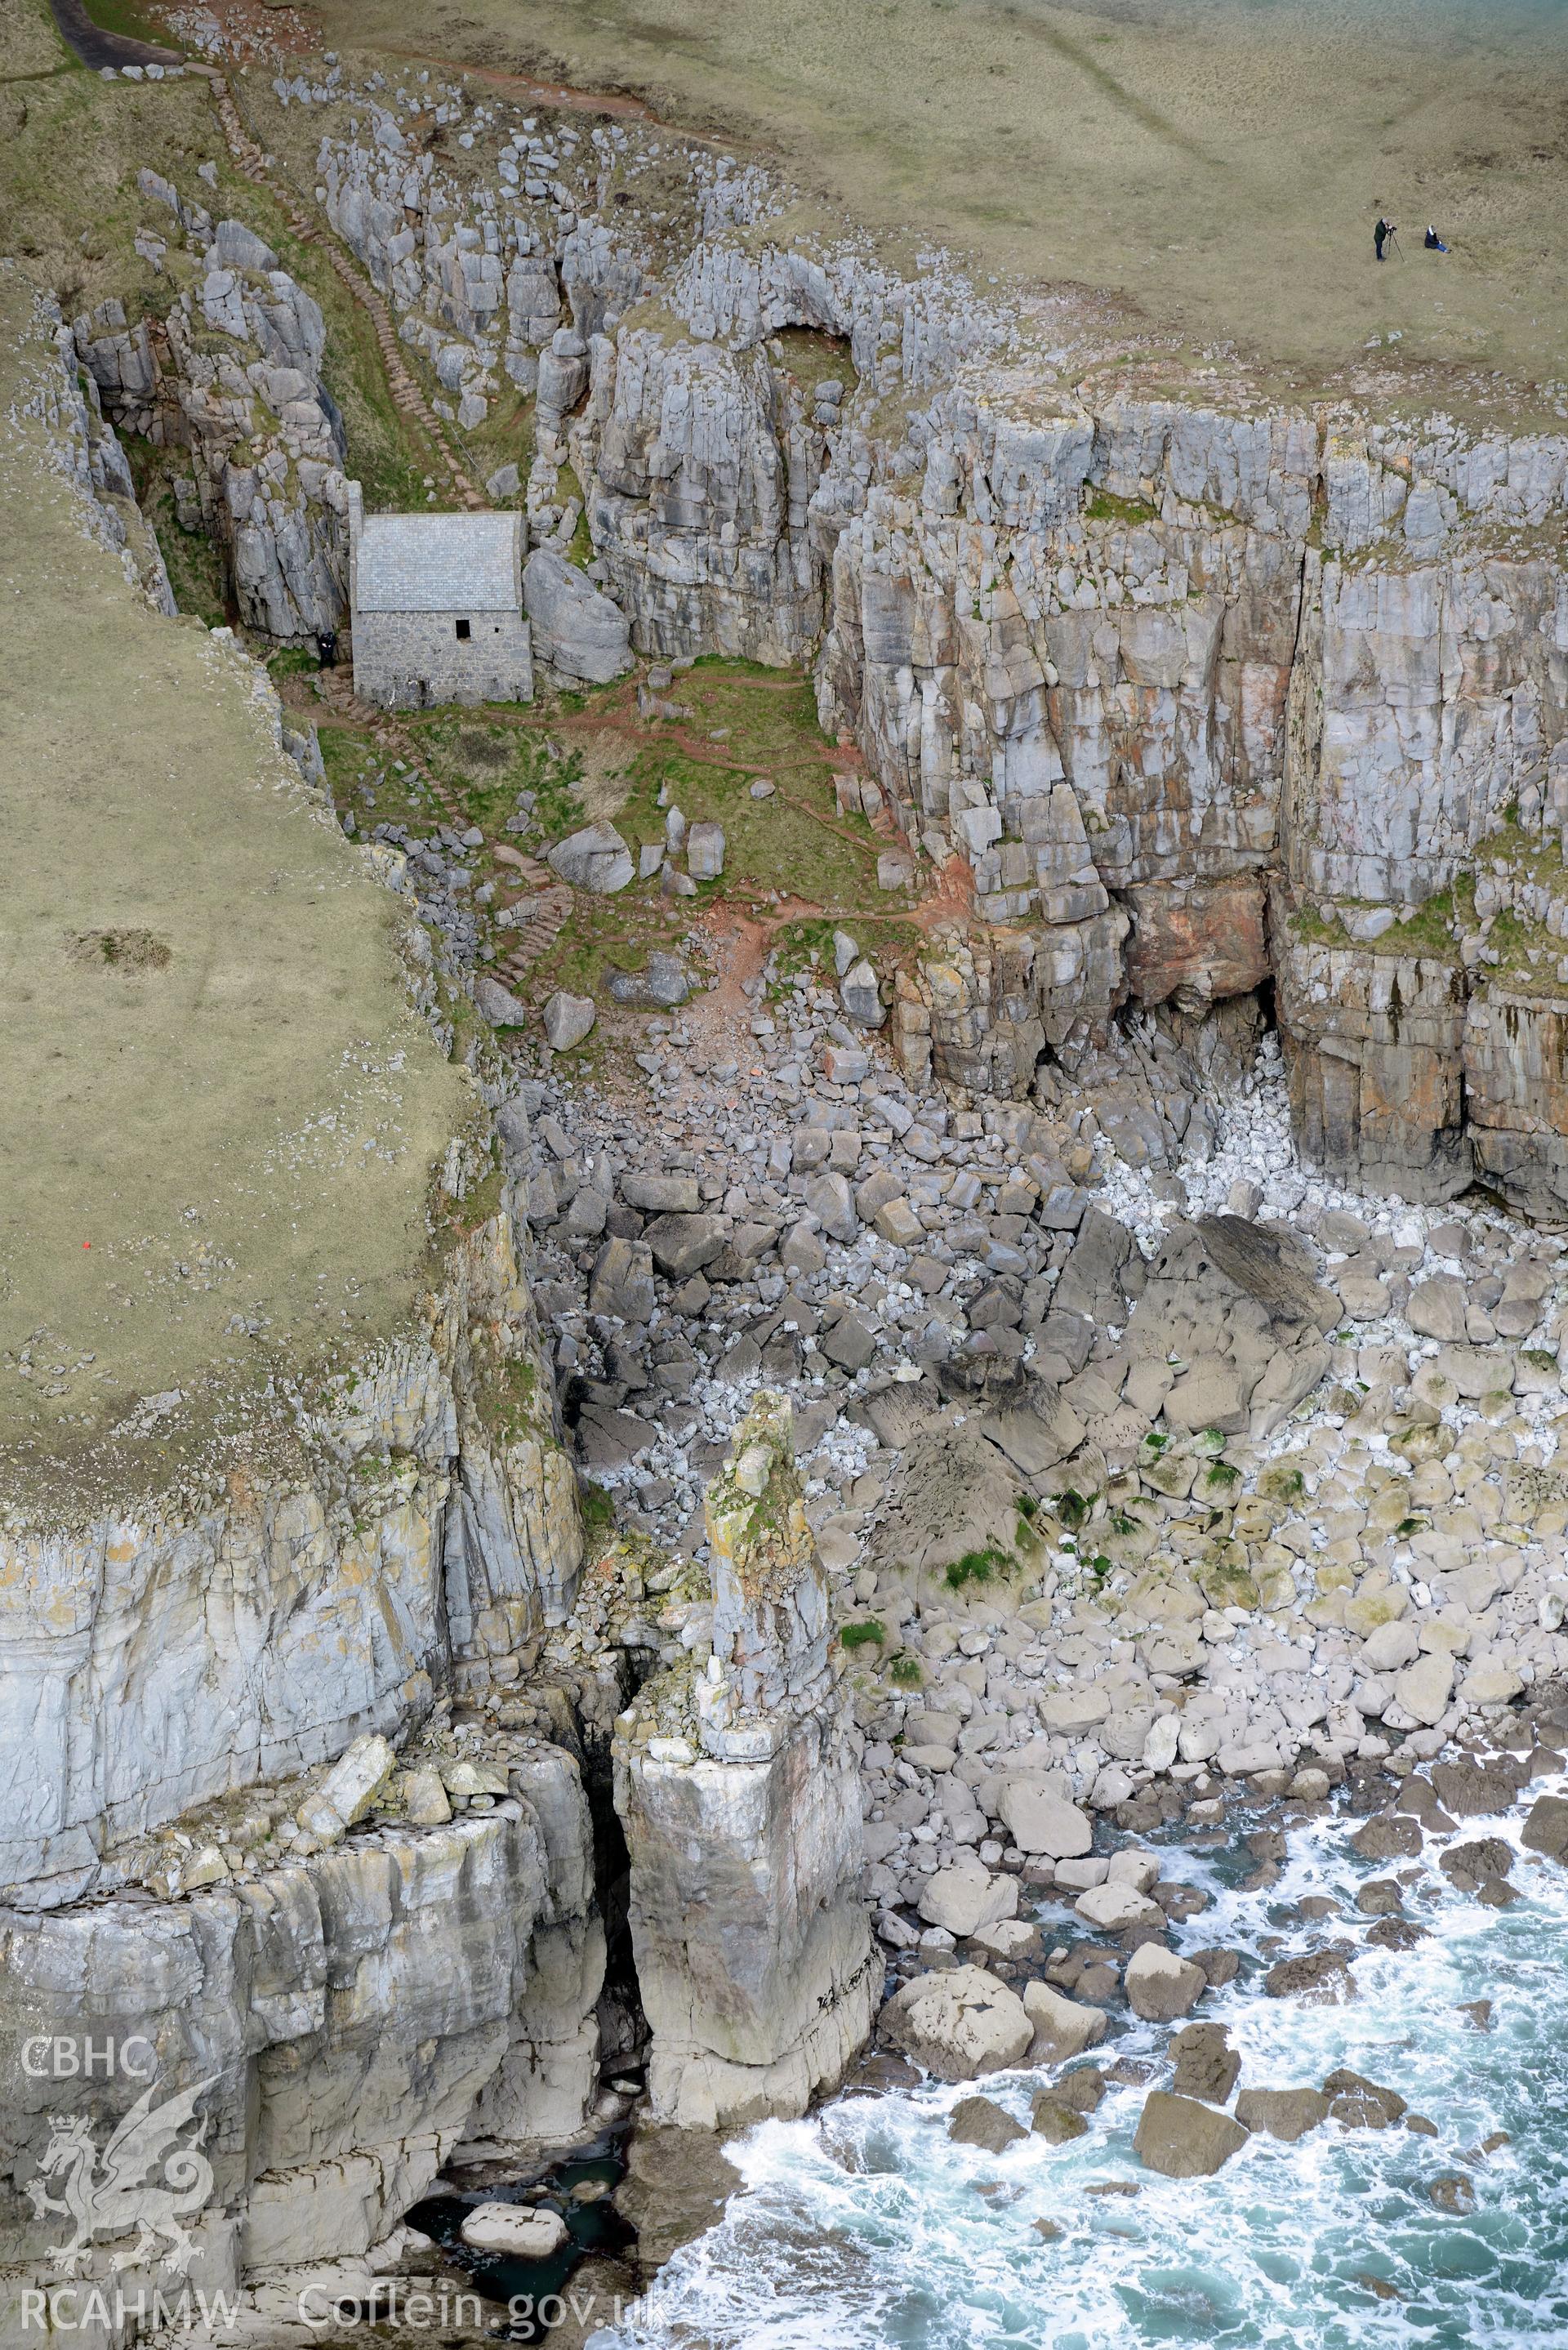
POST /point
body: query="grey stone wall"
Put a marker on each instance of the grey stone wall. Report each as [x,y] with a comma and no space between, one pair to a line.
[410,660]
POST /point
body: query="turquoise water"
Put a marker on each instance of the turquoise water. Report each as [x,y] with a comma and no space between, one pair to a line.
[863,2226]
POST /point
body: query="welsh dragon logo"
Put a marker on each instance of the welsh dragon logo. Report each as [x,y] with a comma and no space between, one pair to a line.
[146,2180]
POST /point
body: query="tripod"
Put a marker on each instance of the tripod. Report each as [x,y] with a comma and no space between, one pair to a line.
[1391,243]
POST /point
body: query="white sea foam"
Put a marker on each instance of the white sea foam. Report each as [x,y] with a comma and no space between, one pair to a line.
[863,2228]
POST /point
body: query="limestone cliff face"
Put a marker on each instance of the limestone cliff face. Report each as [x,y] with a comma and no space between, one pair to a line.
[160,1655]
[1148,666]
[231,374]
[1189,682]
[739,1793]
[344,2023]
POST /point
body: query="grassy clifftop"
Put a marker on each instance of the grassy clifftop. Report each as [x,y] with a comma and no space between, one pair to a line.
[221,1112]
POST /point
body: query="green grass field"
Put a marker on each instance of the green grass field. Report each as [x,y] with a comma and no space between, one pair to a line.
[222,1112]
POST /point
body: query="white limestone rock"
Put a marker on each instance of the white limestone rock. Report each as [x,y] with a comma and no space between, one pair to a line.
[960,2024]
[567,1019]
[520,2231]
[1044,1824]
[968,1895]
[577,632]
[356,1781]
[595,858]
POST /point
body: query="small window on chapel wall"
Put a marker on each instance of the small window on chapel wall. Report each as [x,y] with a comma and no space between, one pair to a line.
[462,631]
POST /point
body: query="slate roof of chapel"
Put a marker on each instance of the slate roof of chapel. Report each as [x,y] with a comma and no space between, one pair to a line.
[440,563]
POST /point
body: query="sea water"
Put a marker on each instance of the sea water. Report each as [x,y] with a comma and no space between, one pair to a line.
[865,2226]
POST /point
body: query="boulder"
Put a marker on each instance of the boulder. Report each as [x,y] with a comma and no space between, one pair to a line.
[622,1281]
[1285,2114]
[523,2231]
[1489,1682]
[1040,1823]
[1546,1829]
[1472,1864]
[362,1774]
[1062,2027]
[1388,1836]
[1322,1977]
[858,994]
[1437,1308]
[498,1005]
[959,2023]
[1135,1867]
[424,1799]
[1360,2104]
[595,858]
[567,1019]
[967,1897]
[1183,2138]
[1468,1791]
[1390,1646]
[1009,1938]
[661,1195]
[1114,1908]
[848,1343]
[1425,1687]
[978,2121]
[665,983]
[832,1202]
[1272,1264]
[1205,2064]
[897,1221]
[1056,2120]
[705,852]
[1160,1986]
[1084,2088]
[682,1245]
[575,631]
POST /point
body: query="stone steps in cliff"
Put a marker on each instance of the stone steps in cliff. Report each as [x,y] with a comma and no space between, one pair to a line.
[406,393]
[546,919]
[337,690]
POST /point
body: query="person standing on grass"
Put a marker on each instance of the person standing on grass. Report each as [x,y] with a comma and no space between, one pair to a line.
[1381,235]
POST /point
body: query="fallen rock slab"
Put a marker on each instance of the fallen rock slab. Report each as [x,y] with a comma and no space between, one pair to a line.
[1207,2066]
[575,629]
[361,1775]
[1183,2138]
[1044,1824]
[959,2023]
[1285,2114]
[1160,1986]
[595,858]
[978,2121]
[567,1019]
[1062,2028]
[522,2230]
